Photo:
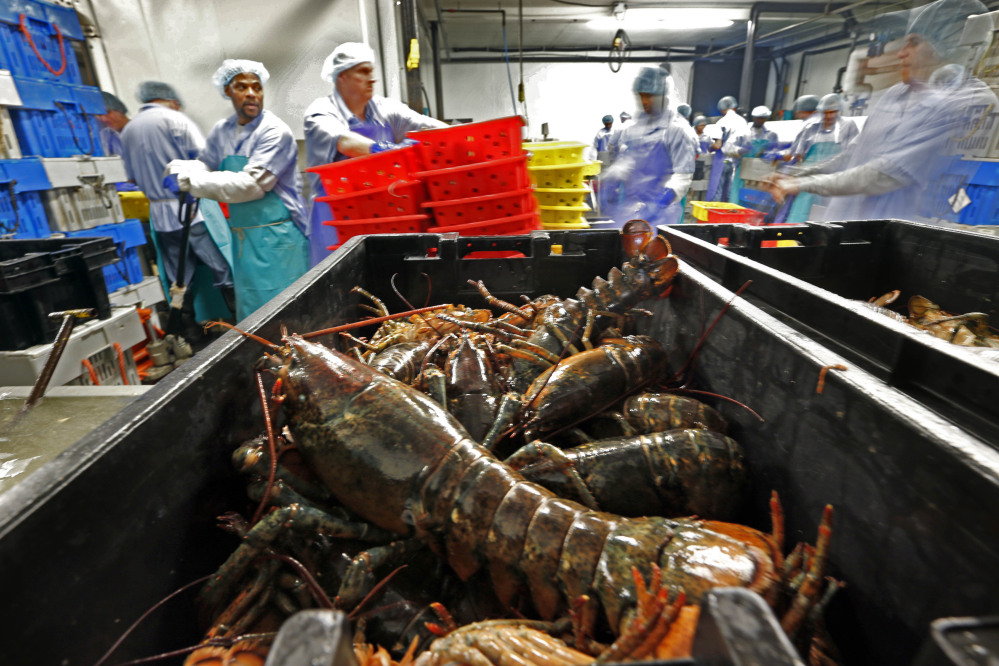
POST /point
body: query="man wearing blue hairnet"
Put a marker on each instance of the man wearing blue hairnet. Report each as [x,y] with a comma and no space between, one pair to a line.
[804,107]
[827,126]
[350,122]
[656,162]
[158,134]
[250,162]
[601,141]
[896,166]
[113,120]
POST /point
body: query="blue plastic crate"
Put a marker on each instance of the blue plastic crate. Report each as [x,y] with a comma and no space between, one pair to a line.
[23,216]
[57,120]
[983,191]
[47,26]
[755,199]
[128,238]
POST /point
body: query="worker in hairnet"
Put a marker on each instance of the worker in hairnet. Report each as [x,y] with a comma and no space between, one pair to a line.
[158,134]
[704,141]
[895,167]
[824,134]
[805,106]
[614,145]
[656,162]
[730,125]
[113,121]
[349,122]
[250,162]
[685,111]
[753,141]
[601,142]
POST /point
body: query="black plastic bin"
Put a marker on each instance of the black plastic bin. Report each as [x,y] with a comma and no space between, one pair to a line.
[48,275]
[126,515]
[816,287]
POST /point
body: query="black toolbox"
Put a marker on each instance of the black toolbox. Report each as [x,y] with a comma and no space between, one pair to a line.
[817,287]
[126,516]
[46,275]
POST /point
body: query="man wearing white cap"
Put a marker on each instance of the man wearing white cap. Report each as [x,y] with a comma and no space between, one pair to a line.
[350,122]
[754,140]
[250,162]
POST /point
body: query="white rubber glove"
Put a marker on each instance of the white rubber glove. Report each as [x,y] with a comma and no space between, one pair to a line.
[250,184]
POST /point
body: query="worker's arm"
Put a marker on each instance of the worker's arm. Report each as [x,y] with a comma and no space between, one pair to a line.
[250,184]
[866,179]
[353,144]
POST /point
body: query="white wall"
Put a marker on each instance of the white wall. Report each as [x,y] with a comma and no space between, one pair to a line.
[570,97]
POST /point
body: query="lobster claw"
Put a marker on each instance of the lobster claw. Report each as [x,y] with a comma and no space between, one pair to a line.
[635,235]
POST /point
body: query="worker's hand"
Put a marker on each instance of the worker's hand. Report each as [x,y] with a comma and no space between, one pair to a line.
[716,144]
[781,187]
[171,183]
[382,146]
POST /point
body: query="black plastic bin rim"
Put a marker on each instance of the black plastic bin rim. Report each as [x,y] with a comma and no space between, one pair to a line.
[957,353]
[17,503]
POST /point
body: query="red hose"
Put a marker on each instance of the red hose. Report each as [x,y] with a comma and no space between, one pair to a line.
[121,363]
[93,374]
[62,47]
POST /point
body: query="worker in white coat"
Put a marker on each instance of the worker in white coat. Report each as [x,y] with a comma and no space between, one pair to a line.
[895,167]
[730,125]
[656,163]
[350,122]
[250,162]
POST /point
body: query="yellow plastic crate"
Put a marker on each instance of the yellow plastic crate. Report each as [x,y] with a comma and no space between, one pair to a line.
[559,216]
[134,205]
[546,153]
[557,176]
[700,208]
[592,168]
[581,223]
[560,196]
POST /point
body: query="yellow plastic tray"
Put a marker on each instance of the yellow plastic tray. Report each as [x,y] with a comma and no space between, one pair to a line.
[562,226]
[700,208]
[560,196]
[562,215]
[134,205]
[544,153]
[557,176]
[592,168]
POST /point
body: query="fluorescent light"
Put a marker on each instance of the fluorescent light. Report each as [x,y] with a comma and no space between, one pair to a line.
[648,18]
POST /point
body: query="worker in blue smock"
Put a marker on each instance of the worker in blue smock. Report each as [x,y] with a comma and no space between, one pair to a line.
[753,141]
[158,134]
[250,162]
[704,141]
[895,167]
[601,141]
[730,124]
[350,122]
[113,121]
[656,163]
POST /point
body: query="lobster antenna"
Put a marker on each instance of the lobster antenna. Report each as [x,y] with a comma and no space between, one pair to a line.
[689,365]
[259,339]
[410,305]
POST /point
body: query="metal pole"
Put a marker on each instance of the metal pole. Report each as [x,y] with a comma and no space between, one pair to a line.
[746,86]
[414,93]
[438,83]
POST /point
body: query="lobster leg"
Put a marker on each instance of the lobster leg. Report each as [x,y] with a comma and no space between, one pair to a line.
[541,452]
[359,578]
[510,405]
[436,384]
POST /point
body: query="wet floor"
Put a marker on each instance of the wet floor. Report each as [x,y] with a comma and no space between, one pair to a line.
[58,421]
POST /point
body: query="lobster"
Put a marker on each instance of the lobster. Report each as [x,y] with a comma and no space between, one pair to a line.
[396,458]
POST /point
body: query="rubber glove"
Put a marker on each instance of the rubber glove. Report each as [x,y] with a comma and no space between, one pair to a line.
[170,183]
[668,197]
[382,146]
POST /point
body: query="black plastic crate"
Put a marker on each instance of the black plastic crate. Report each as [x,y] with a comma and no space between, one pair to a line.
[48,275]
[817,288]
[126,516]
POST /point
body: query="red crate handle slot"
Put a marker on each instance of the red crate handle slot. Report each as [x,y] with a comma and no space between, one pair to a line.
[62,47]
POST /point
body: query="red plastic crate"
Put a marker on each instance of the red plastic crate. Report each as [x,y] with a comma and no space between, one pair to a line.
[735,216]
[403,224]
[400,197]
[470,143]
[475,180]
[367,172]
[504,226]
[488,207]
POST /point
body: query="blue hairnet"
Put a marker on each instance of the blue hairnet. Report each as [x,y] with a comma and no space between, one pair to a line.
[726,103]
[607,119]
[112,103]
[150,90]
[230,68]
[942,23]
[684,110]
[651,81]
[831,102]
[806,103]
[344,57]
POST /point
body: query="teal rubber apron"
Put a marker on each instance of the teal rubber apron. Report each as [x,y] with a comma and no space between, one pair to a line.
[801,207]
[269,252]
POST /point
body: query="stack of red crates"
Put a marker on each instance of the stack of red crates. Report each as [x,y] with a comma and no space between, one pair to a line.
[374,194]
[476,176]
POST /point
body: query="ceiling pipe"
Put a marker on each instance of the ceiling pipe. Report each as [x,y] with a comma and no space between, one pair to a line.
[577,49]
[548,58]
[748,58]
[440,23]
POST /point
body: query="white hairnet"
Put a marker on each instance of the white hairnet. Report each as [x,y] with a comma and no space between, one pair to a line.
[699,120]
[727,102]
[625,116]
[942,24]
[806,103]
[345,56]
[760,112]
[830,102]
[230,68]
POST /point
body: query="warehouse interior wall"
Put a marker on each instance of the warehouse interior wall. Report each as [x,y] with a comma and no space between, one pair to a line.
[183,42]
[570,97]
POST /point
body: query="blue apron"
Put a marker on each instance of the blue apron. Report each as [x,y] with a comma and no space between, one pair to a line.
[321,235]
[801,207]
[269,252]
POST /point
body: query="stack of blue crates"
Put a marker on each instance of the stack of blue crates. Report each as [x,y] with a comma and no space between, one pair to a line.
[56,119]
[983,191]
